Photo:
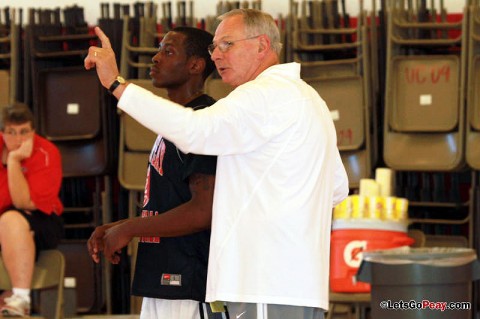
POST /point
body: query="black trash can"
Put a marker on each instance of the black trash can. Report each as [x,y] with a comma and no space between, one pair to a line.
[420,283]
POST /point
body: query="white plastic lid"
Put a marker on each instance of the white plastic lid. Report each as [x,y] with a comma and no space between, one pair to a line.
[369,224]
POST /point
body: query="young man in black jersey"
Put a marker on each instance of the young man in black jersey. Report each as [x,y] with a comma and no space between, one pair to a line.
[172,259]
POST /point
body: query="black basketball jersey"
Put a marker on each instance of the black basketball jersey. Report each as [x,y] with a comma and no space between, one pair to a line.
[173,267]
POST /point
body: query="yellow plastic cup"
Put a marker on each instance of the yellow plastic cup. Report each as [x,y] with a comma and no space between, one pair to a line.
[389,208]
[375,207]
[359,206]
[343,210]
[401,208]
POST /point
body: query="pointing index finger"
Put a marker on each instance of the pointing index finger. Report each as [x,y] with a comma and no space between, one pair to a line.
[103,38]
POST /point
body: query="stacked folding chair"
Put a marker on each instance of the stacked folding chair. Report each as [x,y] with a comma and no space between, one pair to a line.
[472,138]
[69,111]
[425,118]
[67,99]
[9,57]
[185,14]
[473,97]
[112,25]
[424,106]
[135,140]
[335,60]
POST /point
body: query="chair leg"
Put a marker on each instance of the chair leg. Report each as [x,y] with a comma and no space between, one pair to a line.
[49,301]
[331,309]
[358,315]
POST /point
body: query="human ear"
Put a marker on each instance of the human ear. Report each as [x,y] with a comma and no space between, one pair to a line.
[264,43]
[197,65]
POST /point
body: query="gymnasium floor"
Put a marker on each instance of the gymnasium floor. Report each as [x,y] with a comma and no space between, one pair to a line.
[106,316]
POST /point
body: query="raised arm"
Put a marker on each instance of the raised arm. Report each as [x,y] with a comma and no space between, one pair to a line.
[17,182]
[103,60]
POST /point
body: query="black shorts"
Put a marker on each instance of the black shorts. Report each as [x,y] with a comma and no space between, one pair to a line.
[48,229]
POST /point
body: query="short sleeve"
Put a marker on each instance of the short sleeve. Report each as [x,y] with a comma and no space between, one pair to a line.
[199,164]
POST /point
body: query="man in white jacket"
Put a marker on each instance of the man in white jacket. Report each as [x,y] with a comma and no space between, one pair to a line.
[279,171]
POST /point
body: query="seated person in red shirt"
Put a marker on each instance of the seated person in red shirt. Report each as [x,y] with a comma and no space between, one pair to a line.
[30,180]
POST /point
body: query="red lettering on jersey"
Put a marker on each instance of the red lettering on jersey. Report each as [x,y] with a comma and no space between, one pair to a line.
[156,161]
[157,154]
[149,239]
[146,193]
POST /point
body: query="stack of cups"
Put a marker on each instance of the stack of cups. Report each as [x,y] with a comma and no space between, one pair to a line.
[375,201]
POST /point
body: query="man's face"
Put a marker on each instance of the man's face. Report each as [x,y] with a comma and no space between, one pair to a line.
[15,134]
[170,64]
[239,63]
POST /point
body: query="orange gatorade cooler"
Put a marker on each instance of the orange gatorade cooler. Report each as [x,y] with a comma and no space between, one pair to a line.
[350,238]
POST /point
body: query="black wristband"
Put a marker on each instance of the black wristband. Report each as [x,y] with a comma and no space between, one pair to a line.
[118,80]
[114,85]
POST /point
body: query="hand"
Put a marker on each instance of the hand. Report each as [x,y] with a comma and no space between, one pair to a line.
[114,240]
[103,59]
[95,242]
[23,152]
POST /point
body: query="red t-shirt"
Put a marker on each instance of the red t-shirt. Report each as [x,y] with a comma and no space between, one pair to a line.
[43,171]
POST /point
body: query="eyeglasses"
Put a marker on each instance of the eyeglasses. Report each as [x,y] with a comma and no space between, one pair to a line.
[22,133]
[224,46]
